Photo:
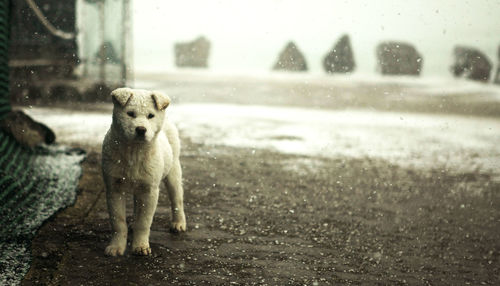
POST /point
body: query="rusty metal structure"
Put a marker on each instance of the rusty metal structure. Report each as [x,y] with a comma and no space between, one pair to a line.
[72,50]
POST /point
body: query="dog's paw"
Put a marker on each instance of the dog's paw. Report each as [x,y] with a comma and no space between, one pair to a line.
[142,250]
[178,226]
[114,250]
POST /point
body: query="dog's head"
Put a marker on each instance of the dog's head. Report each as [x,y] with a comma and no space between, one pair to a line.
[138,114]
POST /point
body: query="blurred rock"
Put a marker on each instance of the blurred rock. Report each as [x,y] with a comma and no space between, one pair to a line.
[340,58]
[30,95]
[396,58]
[99,92]
[65,93]
[291,59]
[497,76]
[192,54]
[25,130]
[107,53]
[471,63]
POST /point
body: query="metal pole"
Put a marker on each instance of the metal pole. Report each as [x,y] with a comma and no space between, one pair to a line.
[125,28]
[84,46]
[102,56]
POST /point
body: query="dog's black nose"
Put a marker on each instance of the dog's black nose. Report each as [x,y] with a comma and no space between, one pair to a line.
[141,131]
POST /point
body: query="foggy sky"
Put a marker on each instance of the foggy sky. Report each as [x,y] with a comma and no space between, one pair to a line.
[248,35]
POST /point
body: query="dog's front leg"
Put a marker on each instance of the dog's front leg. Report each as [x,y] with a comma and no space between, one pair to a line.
[176,195]
[145,202]
[115,195]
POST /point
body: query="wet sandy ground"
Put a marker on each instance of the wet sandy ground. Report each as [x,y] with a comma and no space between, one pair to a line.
[275,208]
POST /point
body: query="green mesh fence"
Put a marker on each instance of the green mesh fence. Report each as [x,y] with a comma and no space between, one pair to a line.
[4,64]
[34,183]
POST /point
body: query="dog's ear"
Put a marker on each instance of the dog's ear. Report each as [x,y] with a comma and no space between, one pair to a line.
[121,95]
[161,100]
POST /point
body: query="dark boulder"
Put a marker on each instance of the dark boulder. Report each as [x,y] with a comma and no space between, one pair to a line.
[340,58]
[471,63]
[98,92]
[65,93]
[291,59]
[395,58]
[25,130]
[107,54]
[192,54]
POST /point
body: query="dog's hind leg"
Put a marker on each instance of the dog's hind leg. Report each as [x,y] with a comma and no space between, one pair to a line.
[145,203]
[176,195]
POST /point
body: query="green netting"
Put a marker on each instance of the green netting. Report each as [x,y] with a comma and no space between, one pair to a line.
[4,63]
[34,183]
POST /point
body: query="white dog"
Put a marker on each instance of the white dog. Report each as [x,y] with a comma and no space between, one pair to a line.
[140,150]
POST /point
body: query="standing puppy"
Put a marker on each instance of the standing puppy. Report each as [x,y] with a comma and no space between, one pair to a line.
[140,150]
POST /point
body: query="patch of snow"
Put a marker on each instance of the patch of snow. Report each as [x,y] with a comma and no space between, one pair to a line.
[440,141]
[74,126]
[417,140]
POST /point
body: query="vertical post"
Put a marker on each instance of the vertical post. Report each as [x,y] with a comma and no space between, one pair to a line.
[102,55]
[124,39]
[83,44]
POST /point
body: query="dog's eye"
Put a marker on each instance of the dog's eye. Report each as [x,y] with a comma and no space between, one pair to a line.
[131,114]
[151,115]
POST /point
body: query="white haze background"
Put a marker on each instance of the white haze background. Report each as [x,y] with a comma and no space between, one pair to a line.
[247,36]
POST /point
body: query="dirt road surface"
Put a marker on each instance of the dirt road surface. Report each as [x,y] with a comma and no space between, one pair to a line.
[271,200]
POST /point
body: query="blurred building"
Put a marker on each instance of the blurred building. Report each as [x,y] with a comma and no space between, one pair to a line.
[71,50]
